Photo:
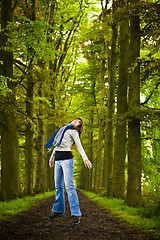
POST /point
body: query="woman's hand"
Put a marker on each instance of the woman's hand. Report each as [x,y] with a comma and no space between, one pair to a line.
[88,164]
[51,164]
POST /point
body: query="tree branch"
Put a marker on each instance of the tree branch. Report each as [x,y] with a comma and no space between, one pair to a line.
[14,6]
[23,86]
[68,20]
[66,44]
[148,24]
[19,62]
[106,4]
[148,138]
[102,4]
[149,97]
[23,71]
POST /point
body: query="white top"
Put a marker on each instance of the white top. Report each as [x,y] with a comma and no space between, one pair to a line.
[71,136]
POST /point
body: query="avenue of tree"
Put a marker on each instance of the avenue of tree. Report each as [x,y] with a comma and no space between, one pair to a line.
[98,60]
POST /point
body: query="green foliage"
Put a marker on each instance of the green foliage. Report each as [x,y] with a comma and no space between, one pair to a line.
[3,86]
[26,34]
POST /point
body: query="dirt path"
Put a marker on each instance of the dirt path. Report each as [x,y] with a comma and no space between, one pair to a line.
[96,223]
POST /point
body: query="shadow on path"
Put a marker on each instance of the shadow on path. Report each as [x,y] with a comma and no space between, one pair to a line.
[96,223]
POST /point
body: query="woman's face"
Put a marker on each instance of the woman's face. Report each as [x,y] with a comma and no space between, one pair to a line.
[76,122]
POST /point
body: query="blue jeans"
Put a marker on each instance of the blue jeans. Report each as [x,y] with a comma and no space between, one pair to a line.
[64,173]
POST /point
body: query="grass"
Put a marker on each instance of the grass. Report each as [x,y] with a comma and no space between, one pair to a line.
[9,209]
[132,215]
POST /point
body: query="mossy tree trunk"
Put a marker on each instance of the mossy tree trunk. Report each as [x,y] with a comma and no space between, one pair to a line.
[40,173]
[133,197]
[101,116]
[10,176]
[109,135]
[118,182]
[29,143]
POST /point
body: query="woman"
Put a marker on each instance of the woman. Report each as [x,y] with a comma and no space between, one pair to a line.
[64,165]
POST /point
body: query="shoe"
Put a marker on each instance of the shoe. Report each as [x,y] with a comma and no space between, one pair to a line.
[55,215]
[76,219]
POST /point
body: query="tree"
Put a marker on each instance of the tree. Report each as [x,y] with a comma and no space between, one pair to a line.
[10,181]
[101,124]
[118,182]
[29,143]
[109,135]
[133,197]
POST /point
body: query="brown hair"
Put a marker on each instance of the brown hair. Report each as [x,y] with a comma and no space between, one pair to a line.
[80,127]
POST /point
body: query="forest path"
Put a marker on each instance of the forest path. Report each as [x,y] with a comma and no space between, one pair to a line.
[96,223]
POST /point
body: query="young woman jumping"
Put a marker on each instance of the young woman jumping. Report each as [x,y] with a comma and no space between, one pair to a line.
[63,139]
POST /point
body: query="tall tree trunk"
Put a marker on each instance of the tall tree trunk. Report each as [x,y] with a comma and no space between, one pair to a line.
[29,144]
[133,197]
[87,173]
[10,176]
[40,175]
[101,115]
[93,76]
[29,164]
[118,182]
[110,122]
[90,155]
[51,127]
[49,171]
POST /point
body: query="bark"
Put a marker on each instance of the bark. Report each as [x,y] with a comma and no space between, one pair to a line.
[93,75]
[40,174]
[118,182]
[10,176]
[87,173]
[133,197]
[29,143]
[101,116]
[29,164]
[90,155]
[48,132]
[91,174]
[51,127]
[108,155]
